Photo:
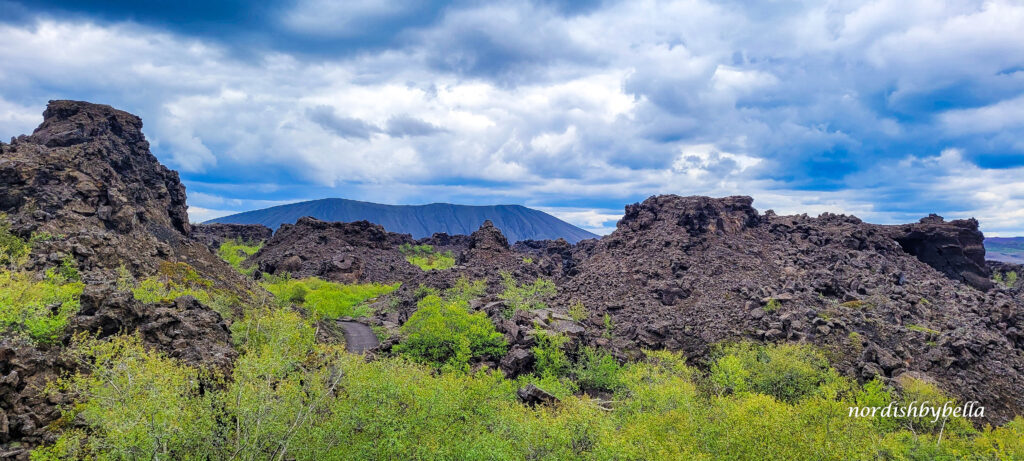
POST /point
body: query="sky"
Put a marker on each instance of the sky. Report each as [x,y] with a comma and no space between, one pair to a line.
[888,110]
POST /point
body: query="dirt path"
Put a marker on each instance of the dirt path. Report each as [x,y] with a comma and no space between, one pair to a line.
[358,337]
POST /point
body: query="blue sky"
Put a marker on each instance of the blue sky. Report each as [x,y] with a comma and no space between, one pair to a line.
[888,110]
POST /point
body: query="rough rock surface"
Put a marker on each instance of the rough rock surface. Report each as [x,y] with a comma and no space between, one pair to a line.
[86,179]
[346,252]
[686,272]
[955,248]
[212,235]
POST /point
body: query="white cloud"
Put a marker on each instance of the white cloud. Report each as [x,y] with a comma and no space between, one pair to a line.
[514,102]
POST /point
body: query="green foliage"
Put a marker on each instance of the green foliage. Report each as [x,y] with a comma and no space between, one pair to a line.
[326,299]
[773,305]
[466,290]
[289,397]
[526,296]
[13,249]
[139,404]
[598,370]
[609,328]
[786,372]
[857,304]
[235,252]
[577,311]
[39,308]
[426,257]
[922,329]
[527,260]
[549,353]
[444,334]
[173,281]
[1008,280]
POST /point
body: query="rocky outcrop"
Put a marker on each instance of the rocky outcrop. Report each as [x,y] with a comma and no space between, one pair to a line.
[345,252]
[212,235]
[955,248]
[85,184]
[86,177]
[685,273]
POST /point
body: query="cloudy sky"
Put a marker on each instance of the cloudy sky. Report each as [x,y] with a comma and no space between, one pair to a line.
[888,110]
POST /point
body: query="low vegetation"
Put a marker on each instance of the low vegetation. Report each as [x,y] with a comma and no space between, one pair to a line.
[289,397]
[1008,280]
[443,334]
[426,257]
[37,306]
[235,252]
[526,296]
[326,299]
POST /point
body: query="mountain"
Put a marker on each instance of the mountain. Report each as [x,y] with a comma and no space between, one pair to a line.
[515,222]
[1005,249]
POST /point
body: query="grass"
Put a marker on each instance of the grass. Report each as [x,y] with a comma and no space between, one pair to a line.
[426,257]
[926,330]
[326,299]
[772,305]
[857,304]
[235,252]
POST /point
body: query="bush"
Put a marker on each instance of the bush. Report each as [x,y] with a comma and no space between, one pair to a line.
[426,258]
[598,370]
[235,252]
[444,334]
[326,299]
[549,353]
[13,249]
[39,308]
[787,372]
[526,296]
[138,404]
[577,311]
[291,398]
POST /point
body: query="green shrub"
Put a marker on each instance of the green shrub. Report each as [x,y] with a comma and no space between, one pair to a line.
[326,299]
[444,334]
[39,308]
[426,257]
[577,311]
[173,281]
[289,397]
[235,252]
[1008,280]
[526,296]
[549,353]
[787,372]
[13,249]
[598,370]
[466,290]
[138,404]
[773,305]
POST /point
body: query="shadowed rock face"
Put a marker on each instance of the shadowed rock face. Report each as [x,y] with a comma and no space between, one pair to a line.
[955,248]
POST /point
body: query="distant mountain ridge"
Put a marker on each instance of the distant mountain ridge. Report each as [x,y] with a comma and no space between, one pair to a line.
[515,221]
[1005,249]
